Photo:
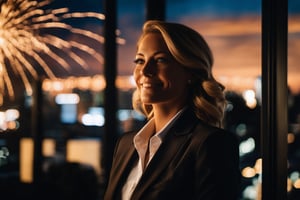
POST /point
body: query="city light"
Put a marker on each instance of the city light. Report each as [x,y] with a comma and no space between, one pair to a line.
[85,151]
[247,146]
[26,160]
[249,96]
[94,117]
[8,119]
[4,154]
[71,98]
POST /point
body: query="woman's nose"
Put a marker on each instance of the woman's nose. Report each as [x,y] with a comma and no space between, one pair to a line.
[148,69]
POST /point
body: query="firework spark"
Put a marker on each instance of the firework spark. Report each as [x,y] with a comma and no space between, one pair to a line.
[26,44]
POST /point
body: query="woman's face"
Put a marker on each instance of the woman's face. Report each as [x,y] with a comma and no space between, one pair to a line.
[159,77]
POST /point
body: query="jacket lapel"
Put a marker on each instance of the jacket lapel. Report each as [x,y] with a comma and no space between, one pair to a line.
[126,160]
[172,143]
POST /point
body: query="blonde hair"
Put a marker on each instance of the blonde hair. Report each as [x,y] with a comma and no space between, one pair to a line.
[190,49]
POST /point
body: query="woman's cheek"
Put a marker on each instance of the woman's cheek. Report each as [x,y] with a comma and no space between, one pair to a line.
[136,78]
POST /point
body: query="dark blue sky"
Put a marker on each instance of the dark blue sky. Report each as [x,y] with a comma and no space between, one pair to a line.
[203,7]
[135,9]
[224,7]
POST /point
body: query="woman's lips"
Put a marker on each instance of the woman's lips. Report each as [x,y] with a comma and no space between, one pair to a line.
[150,85]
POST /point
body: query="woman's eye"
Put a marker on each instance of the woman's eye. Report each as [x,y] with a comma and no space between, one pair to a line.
[138,61]
[161,60]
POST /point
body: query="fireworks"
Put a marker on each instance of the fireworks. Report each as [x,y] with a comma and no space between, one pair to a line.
[27,45]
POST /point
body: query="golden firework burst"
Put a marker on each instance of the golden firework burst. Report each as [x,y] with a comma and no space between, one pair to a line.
[26,46]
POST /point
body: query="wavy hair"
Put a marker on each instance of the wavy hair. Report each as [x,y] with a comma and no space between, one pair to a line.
[190,49]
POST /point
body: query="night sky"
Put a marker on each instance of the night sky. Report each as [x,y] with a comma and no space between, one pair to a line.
[232,28]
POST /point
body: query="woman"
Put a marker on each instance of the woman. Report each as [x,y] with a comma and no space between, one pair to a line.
[181,153]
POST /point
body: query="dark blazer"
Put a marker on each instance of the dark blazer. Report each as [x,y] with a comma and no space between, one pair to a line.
[195,161]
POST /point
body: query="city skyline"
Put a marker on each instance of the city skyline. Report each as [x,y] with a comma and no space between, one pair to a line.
[231,28]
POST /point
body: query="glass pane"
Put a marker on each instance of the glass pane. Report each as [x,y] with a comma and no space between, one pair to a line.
[60,42]
[293,101]
[233,31]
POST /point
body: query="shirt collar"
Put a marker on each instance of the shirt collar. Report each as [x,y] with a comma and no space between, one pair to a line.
[148,130]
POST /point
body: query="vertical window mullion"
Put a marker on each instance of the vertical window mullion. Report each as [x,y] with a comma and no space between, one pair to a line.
[110,92]
[156,9]
[274,99]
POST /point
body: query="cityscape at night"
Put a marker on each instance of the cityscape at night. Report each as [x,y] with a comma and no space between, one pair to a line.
[58,45]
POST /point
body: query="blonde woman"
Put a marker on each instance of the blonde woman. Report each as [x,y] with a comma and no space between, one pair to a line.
[182,152]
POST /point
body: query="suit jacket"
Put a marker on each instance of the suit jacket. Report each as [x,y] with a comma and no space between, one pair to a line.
[195,161]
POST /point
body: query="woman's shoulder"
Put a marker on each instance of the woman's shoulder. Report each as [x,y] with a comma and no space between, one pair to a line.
[214,134]
[219,144]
